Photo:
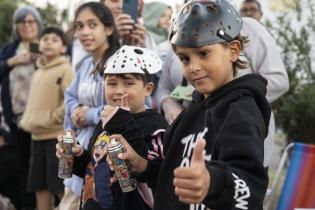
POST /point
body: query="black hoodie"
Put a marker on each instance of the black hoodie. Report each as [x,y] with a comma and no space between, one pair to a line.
[234,121]
[144,132]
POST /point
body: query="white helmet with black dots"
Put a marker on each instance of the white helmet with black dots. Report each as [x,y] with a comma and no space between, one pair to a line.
[131,59]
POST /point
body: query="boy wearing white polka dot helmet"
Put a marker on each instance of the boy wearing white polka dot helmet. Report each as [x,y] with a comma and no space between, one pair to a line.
[127,78]
[133,67]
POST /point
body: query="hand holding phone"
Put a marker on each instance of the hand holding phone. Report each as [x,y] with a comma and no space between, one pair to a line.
[34,48]
[130,7]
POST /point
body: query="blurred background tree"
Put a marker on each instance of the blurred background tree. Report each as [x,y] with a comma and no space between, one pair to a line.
[294,31]
[7,8]
[52,16]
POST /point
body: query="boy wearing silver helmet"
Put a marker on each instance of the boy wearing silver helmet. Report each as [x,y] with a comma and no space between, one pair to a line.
[214,149]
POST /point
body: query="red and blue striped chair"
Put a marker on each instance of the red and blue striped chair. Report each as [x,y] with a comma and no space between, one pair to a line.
[298,190]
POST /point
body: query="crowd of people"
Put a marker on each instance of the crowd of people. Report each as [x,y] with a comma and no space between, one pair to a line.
[189,100]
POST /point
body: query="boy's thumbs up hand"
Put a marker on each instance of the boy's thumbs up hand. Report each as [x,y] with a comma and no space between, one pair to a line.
[109,111]
[192,183]
[197,157]
[125,103]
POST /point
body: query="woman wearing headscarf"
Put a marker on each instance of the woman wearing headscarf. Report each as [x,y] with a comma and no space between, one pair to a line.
[157,19]
[16,69]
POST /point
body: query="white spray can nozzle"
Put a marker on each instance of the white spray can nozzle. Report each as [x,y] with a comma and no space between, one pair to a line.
[68,133]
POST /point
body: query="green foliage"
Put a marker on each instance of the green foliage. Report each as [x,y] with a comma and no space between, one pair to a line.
[7,8]
[295,111]
[51,15]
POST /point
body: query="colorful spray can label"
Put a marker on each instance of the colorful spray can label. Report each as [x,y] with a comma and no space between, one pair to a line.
[126,181]
[66,160]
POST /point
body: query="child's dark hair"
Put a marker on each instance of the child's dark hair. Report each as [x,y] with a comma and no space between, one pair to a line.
[238,64]
[253,1]
[105,16]
[54,30]
[142,77]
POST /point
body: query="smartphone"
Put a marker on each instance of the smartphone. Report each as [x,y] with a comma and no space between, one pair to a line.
[130,7]
[182,93]
[34,48]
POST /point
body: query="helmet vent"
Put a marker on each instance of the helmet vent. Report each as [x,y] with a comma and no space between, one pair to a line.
[195,37]
[186,9]
[229,27]
[183,36]
[138,51]
[212,8]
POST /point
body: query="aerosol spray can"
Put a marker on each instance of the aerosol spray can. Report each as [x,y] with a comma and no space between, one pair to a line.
[127,183]
[66,160]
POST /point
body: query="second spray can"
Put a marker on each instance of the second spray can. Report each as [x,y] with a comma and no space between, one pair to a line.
[126,181]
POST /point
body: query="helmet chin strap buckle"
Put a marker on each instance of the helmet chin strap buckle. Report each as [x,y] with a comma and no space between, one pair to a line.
[223,35]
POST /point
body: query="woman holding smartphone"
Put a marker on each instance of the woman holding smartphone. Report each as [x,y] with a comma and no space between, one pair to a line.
[132,31]
[16,68]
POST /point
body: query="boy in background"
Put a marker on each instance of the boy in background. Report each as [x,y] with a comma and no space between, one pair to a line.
[44,115]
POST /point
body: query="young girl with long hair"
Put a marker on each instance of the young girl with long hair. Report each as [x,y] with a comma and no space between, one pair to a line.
[95,28]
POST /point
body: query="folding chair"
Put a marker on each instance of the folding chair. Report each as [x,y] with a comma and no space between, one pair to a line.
[298,190]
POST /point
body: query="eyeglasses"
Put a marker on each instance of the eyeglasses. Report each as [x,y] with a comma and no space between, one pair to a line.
[250,10]
[28,22]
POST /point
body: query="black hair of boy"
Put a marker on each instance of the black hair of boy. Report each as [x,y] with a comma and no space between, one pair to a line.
[54,30]
[145,78]
[253,1]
